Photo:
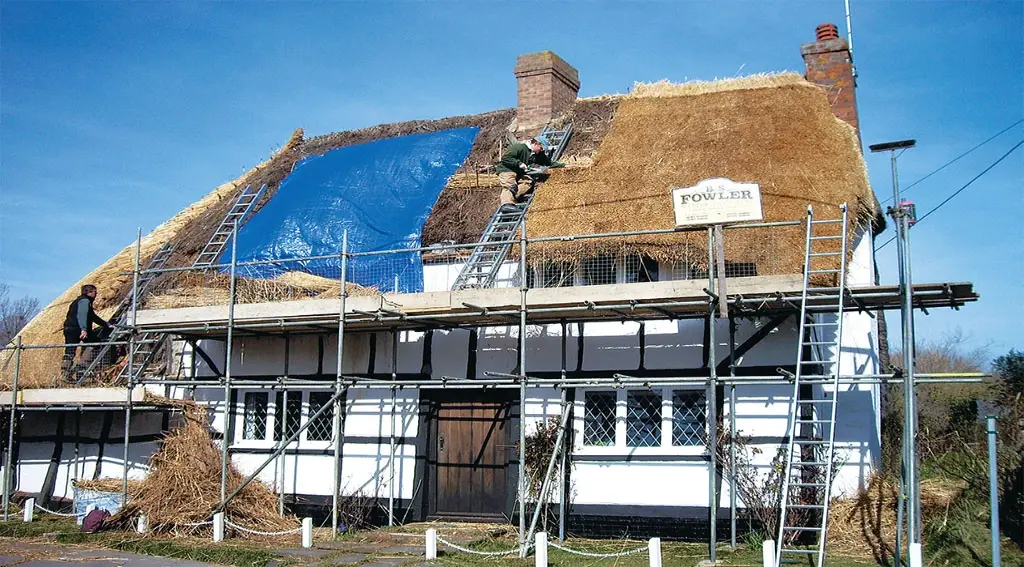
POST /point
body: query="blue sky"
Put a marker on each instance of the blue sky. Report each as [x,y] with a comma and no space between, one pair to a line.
[115,116]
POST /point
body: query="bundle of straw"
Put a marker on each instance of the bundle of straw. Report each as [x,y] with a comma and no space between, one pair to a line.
[183,485]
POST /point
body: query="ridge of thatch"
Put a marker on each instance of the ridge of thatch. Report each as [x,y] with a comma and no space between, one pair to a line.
[667,88]
[775,130]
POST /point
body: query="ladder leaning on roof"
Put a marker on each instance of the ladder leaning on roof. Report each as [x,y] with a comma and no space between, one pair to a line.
[807,484]
[482,267]
[235,216]
[149,344]
[118,319]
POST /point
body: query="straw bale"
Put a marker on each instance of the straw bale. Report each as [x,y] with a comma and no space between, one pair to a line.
[109,485]
[865,526]
[183,485]
[778,131]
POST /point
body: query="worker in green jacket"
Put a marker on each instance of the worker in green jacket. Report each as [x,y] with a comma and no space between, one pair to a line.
[515,182]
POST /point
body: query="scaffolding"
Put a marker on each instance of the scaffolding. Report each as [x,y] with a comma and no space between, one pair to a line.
[710,295]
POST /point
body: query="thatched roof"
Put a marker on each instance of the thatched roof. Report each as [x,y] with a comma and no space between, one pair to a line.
[625,154]
[775,130]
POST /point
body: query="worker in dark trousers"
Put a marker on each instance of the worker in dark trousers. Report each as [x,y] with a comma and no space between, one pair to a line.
[78,329]
[512,170]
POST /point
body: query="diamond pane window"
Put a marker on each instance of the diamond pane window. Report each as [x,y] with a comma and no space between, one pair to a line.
[288,415]
[599,419]
[322,428]
[689,416]
[254,420]
[643,419]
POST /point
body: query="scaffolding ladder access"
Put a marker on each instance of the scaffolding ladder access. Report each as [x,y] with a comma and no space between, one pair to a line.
[806,487]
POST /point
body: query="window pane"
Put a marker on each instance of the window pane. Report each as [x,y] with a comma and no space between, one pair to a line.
[288,415]
[599,419]
[254,420]
[321,429]
[689,416]
[599,270]
[643,419]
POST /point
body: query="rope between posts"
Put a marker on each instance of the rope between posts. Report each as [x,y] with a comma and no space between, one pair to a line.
[474,552]
[71,515]
[194,525]
[598,555]
[259,533]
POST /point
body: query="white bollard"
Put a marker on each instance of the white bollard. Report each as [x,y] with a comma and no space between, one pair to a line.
[218,527]
[768,553]
[654,551]
[142,524]
[540,549]
[307,532]
[30,509]
[431,544]
[915,555]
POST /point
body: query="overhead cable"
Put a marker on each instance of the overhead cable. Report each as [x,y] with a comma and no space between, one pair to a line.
[957,158]
[958,191]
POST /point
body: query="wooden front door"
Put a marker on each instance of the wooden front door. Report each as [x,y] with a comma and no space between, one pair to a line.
[472,445]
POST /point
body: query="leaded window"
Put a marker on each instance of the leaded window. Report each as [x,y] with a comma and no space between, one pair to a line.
[689,416]
[288,413]
[321,428]
[254,422]
[599,419]
[643,419]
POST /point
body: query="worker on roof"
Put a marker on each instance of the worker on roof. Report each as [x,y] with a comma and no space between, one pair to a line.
[515,167]
[78,329]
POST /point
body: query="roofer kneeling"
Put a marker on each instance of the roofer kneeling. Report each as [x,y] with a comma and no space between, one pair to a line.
[514,171]
[78,328]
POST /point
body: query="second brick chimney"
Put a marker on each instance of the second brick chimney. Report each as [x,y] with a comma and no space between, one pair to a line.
[547,86]
[830,65]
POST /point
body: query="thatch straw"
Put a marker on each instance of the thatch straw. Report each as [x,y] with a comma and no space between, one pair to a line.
[196,289]
[865,526]
[112,485]
[778,131]
[183,485]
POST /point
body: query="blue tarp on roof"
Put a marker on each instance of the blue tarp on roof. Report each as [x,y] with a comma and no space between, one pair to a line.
[380,192]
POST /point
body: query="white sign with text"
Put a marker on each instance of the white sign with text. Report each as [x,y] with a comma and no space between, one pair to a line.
[717,201]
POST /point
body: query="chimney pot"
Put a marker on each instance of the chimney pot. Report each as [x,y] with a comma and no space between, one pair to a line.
[826,32]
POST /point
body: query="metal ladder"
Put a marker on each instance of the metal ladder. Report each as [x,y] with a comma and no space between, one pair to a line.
[805,488]
[236,215]
[482,267]
[121,331]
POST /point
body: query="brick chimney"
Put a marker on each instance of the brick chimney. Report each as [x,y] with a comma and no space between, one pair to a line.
[547,86]
[830,65]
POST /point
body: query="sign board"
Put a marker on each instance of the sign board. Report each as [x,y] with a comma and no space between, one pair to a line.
[717,201]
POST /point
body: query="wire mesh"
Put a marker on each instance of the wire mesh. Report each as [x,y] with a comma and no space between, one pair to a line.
[91,362]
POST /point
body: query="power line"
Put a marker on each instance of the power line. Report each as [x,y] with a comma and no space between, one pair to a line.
[958,191]
[957,158]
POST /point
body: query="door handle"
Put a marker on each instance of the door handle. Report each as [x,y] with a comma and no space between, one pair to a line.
[440,443]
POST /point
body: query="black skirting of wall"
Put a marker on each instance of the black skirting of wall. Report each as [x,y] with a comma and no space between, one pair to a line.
[676,523]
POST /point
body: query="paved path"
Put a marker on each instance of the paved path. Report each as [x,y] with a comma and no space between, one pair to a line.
[31,554]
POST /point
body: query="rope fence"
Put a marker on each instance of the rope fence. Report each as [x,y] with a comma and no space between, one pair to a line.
[249,531]
[598,555]
[61,514]
[483,553]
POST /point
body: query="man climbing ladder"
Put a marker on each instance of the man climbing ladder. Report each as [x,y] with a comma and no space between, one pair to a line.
[513,170]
